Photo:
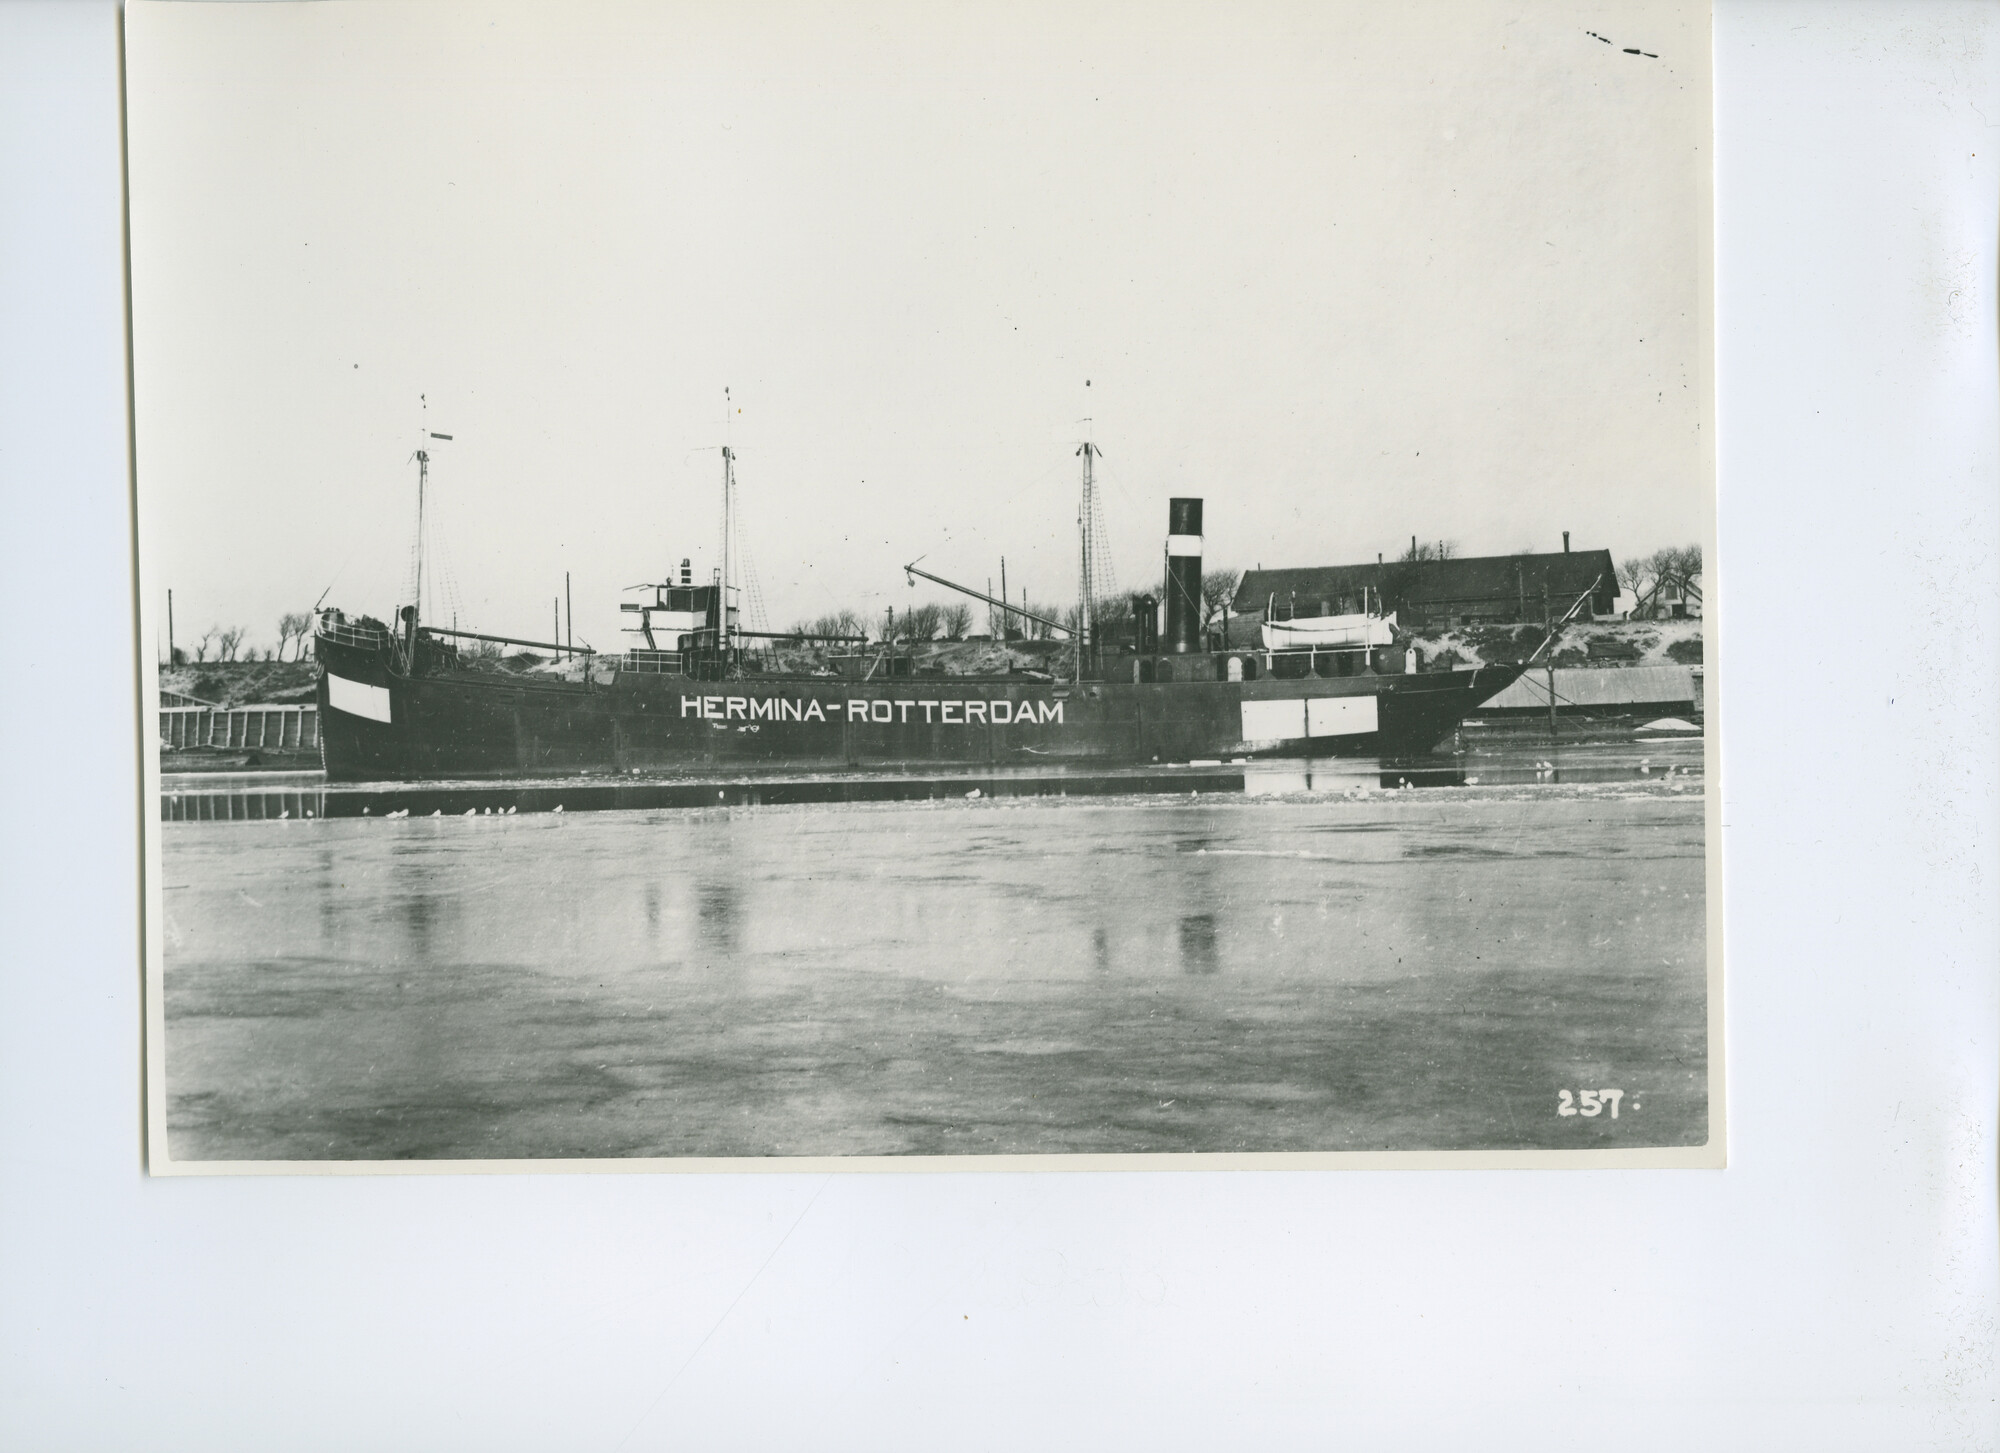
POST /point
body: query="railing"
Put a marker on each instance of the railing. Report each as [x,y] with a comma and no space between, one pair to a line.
[351,633]
[652,663]
[276,728]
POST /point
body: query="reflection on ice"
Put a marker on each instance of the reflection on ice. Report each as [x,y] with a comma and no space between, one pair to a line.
[1409,969]
[1514,761]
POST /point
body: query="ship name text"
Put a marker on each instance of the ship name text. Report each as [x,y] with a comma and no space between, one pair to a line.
[880,710]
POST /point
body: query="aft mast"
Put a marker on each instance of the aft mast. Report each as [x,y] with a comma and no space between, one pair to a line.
[1096,579]
[728,529]
[423,477]
[414,611]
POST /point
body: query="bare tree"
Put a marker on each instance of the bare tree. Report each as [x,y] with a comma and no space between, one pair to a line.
[921,622]
[956,620]
[1636,575]
[1678,565]
[292,626]
[1218,589]
[1421,550]
[1672,566]
[227,642]
[207,643]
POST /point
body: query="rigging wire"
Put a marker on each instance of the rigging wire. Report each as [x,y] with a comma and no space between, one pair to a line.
[753,585]
[1103,573]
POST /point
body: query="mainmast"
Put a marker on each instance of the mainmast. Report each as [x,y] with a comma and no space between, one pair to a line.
[728,529]
[423,458]
[423,475]
[1086,520]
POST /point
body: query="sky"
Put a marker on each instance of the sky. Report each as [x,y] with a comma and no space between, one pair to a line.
[1350,273]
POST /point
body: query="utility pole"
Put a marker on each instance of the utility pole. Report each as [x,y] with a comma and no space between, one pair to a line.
[1005,634]
[570,610]
[1552,659]
[556,611]
[170,628]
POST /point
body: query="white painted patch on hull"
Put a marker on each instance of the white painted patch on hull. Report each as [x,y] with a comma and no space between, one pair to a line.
[1326,716]
[357,698]
[1340,716]
[1273,721]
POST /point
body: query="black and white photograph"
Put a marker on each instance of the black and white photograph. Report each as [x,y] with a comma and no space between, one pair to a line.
[890,587]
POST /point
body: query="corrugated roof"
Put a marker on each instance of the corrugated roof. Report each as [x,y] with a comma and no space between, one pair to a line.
[1580,686]
[1477,577]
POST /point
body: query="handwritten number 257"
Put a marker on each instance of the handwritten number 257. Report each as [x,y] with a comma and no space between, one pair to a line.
[1588,1102]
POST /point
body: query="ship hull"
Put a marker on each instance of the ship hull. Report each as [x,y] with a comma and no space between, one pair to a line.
[377,725]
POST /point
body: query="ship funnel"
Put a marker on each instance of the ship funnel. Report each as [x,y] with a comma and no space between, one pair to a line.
[1183,633]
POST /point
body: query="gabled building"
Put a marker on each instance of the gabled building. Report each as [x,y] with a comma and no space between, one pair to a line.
[1669,598]
[1438,594]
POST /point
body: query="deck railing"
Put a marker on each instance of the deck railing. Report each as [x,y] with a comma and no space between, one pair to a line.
[352,633]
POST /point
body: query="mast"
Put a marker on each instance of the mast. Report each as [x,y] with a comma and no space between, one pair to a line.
[728,529]
[423,456]
[1086,520]
[423,475]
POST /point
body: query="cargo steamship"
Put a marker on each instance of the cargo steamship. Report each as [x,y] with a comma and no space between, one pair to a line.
[403,700]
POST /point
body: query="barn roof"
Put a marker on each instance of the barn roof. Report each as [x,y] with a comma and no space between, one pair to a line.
[1476,577]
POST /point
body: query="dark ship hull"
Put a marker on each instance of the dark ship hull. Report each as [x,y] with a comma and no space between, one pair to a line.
[380,722]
